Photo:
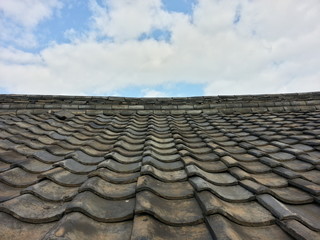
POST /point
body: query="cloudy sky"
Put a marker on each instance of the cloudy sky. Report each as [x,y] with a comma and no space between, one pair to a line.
[150,48]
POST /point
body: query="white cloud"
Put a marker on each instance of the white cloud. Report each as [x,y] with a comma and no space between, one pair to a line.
[273,47]
[18,19]
[153,93]
[127,19]
[28,12]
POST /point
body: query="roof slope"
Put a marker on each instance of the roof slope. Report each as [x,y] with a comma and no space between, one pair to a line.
[228,167]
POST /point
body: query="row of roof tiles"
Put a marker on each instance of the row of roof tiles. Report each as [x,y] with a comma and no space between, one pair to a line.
[160,177]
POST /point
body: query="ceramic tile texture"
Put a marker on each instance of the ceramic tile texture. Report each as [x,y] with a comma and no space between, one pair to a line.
[228,167]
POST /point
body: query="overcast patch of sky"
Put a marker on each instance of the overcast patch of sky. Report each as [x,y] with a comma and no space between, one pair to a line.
[159,48]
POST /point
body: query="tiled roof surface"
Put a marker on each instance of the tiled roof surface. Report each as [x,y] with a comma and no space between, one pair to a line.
[237,167]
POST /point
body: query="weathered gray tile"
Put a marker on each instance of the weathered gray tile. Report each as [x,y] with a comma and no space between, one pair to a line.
[214,166]
[14,229]
[164,158]
[229,193]
[33,165]
[147,227]
[123,159]
[58,150]
[270,162]
[165,166]
[115,177]
[50,191]
[268,148]
[306,186]
[120,167]
[270,179]
[47,157]
[84,158]
[247,214]
[101,209]
[298,230]
[7,192]
[64,177]
[202,151]
[166,176]
[108,190]
[297,165]
[12,157]
[161,151]
[229,230]
[172,212]
[129,146]
[277,208]
[306,213]
[310,157]
[254,167]
[172,190]
[126,153]
[76,226]
[159,145]
[17,177]
[75,167]
[313,176]
[285,172]
[244,157]
[31,209]
[282,156]
[4,166]
[253,186]
[215,178]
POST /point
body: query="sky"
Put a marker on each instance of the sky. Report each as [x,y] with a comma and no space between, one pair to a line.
[159,48]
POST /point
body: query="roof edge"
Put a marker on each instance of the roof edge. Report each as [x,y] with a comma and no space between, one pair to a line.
[290,102]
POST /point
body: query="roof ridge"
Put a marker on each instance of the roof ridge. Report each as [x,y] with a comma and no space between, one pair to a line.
[288,102]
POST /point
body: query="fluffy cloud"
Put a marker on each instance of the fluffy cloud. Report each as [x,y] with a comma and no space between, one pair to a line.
[124,19]
[233,47]
[18,18]
[153,93]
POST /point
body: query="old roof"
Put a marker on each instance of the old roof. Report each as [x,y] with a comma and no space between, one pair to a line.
[227,167]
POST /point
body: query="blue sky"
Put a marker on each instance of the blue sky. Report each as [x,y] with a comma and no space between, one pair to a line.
[154,48]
